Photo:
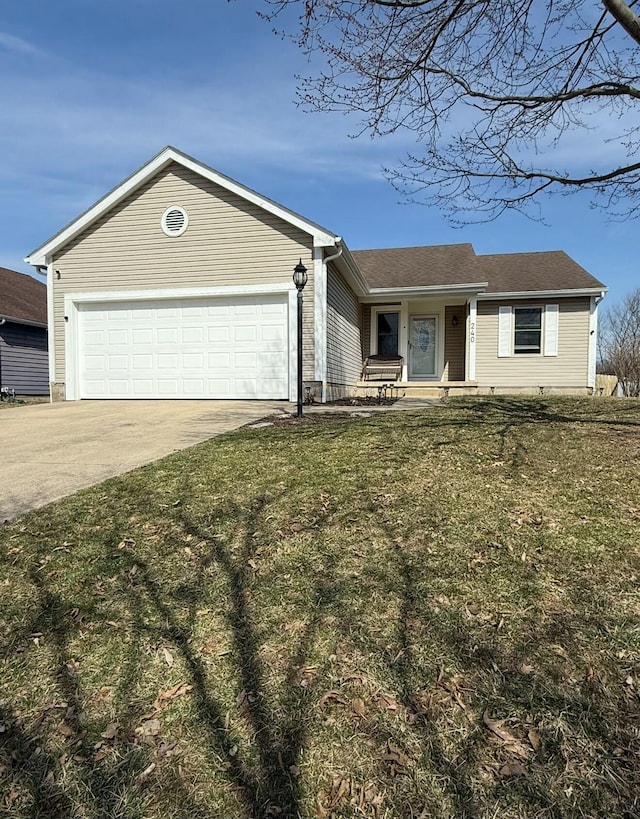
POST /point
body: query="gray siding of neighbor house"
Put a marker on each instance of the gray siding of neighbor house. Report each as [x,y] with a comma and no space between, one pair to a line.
[24,364]
[567,370]
[229,241]
[344,337]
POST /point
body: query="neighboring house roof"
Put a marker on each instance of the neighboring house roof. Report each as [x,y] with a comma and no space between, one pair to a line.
[23,299]
[38,257]
[449,265]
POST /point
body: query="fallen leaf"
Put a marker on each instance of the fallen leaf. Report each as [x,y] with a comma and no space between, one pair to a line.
[179,690]
[512,769]
[357,706]
[168,657]
[534,739]
[148,729]
[331,697]
[512,743]
[142,777]
[355,679]
[165,749]
[65,730]
[111,731]
[386,701]
[305,675]
[395,758]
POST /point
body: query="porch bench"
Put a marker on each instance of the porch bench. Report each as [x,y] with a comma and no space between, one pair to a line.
[380,367]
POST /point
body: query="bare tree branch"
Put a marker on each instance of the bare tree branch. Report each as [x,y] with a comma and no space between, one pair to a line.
[620,342]
[494,93]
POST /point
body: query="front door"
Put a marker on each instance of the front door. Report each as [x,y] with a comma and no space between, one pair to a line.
[422,346]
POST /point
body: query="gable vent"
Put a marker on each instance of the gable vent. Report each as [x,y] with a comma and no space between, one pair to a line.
[174,221]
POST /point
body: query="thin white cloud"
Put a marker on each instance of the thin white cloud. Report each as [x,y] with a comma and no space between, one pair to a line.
[10,42]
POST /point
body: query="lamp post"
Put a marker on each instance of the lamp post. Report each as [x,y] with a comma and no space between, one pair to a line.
[299,279]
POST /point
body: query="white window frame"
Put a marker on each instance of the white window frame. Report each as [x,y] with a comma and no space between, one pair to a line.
[375,312]
[549,328]
[542,310]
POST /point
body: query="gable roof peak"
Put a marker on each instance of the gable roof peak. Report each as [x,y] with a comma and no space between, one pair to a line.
[38,257]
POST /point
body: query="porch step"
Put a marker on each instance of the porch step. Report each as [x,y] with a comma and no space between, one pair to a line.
[428,390]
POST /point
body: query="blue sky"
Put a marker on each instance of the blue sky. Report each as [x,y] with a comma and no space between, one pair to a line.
[91,90]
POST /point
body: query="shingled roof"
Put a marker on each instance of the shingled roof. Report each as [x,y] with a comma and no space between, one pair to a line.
[418,266]
[544,270]
[22,298]
[458,264]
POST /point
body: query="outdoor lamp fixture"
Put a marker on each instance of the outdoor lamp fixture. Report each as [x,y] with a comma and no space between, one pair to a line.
[299,279]
[454,321]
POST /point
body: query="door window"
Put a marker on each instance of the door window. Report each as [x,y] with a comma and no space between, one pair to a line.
[423,346]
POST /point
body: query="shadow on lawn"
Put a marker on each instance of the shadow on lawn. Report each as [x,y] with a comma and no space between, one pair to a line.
[263,776]
[526,410]
[262,773]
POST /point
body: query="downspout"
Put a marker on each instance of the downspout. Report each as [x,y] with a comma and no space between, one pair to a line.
[2,321]
[593,342]
[325,262]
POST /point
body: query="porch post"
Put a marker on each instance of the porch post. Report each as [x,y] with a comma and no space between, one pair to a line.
[472,326]
[403,340]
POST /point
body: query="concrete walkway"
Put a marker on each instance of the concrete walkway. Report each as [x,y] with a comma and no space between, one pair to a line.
[50,451]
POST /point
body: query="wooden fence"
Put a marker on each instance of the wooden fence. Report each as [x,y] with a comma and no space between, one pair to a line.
[606,384]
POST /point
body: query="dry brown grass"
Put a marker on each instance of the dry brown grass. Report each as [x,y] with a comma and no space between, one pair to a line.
[410,615]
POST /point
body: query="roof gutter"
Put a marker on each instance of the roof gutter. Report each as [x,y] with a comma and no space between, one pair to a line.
[539,294]
[15,320]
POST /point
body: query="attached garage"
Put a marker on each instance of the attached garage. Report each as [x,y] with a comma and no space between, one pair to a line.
[178,284]
[207,347]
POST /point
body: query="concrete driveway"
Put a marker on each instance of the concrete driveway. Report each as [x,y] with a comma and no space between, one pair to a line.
[53,450]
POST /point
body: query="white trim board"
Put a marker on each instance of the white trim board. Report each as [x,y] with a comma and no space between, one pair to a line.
[542,294]
[72,301]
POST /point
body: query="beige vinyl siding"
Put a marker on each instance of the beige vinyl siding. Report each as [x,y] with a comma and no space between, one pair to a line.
[454,343]
[366,331]
[344,340]
[229,241]
[568,369]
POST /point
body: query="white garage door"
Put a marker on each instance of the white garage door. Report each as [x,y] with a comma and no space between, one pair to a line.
[188,348]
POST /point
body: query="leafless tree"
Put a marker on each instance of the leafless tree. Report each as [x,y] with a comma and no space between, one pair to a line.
[620,342]
[506,99]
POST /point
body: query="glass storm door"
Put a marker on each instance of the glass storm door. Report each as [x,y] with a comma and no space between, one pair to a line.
[422,349]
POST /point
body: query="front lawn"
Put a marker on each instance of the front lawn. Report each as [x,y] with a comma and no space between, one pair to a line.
[415,614]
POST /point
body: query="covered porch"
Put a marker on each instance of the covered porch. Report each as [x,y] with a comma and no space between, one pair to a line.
[420,345]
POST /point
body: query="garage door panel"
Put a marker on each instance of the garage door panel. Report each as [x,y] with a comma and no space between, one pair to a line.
[167,336]
[168,387]
[201,348]
[142,336]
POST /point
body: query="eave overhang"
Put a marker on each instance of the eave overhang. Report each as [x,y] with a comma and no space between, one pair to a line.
[375,294]
[544,294]
[28,322]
